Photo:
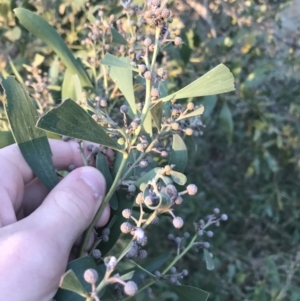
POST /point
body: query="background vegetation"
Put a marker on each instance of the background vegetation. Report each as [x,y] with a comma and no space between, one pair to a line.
[247,161]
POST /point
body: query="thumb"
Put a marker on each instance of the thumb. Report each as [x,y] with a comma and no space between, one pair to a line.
[70,207]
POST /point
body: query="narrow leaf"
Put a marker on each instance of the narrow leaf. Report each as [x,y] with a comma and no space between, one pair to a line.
[123,80]
[101,164]
[79,266]
[68,88]
[148,124]
[33,142]
[111,60]
[196,112]
[70,282]
[71,120]
[208,259]
[44,31]
[147,177]
[216,81]
[188,293]
[157,112]
[179,155]
[6,138]
[178,177]
[77,85]
[117,38]
[226,121]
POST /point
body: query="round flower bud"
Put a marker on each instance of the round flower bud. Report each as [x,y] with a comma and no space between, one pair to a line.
[165,13]
[189,131]
[126,213]
[130,288]
[155,92]
[124,109]
[178,41]
[143,241]
[173,279]
[139,198]
[105,238]
[90,276]
[175,126]
[103,103]
[186,235]
[157,274]
[148,75]
[170,236]
[106,231]
[216,211]
[171,190]
[143,164]
[139,233]
[192,189]
[173,270]
[164,154]
[151,47]
[178,222]
[156,3]
[142,68]
[133,251]
[185,272]
[190,106]
[140,147]
[178,200]
[96,254]
[200,232]
[206,245]
[126,227]
[143,254]
[178,240]
[224,217]
[112,263]
[160,72]
[210,233]
[147,42]
[148,200]
[168,169]
[131,188]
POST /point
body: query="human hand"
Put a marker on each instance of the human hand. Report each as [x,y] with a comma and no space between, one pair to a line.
[37,229]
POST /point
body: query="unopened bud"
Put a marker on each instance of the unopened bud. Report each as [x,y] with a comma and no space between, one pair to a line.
[90,276]
[130,288]
[178,41]
[178,222]
[192,189]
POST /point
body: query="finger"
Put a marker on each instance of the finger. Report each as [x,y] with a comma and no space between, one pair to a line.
[15,172]
[70,207]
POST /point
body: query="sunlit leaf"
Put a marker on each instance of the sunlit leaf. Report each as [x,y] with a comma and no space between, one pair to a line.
[44,31]
[148,124]
[117,38]
[226,121]
[111,60]
[157,112]
[124,81]
[71,120]
[196,112]
[216,81]
[33,142]
[178,177]
[179,155]
[77,86]
[70,282]
[189,293]
[101,164]
[68,87]
[208,259]
[6,138]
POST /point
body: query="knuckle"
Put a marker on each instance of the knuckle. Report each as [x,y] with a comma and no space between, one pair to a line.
[72,202]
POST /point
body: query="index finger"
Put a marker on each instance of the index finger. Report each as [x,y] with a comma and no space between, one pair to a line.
[63,155]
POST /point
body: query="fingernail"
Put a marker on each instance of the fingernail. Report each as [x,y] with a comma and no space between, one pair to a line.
[93,179]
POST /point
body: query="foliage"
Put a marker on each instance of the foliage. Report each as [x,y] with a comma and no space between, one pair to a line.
[247,162]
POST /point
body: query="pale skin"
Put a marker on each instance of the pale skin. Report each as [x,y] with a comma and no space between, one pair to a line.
[38,228]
